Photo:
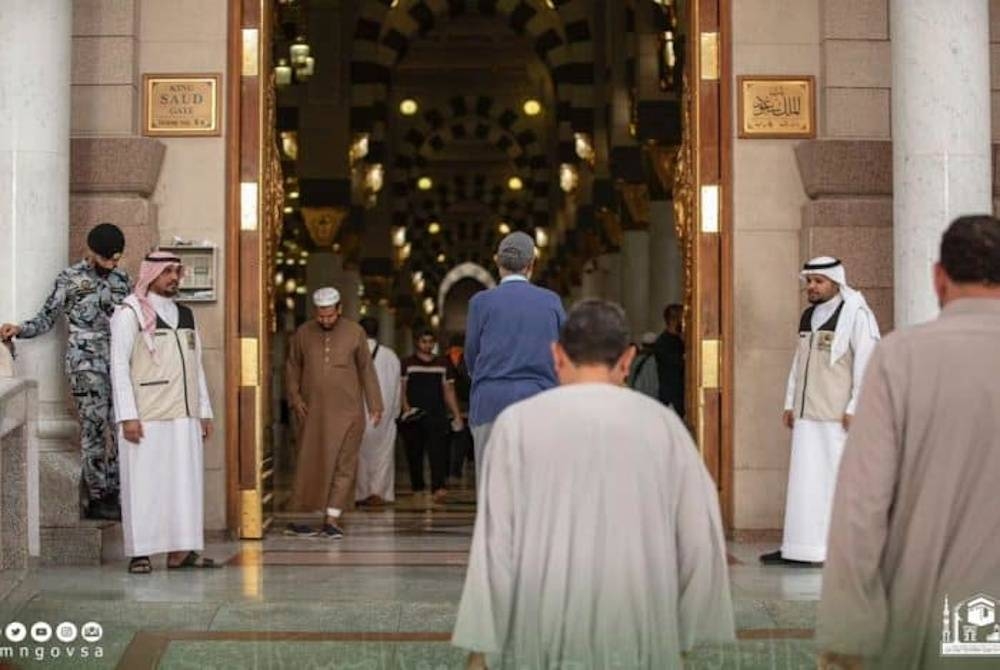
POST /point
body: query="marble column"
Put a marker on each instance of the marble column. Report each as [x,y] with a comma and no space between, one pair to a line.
[324,268]
[590,281]
[386,325]
[609,266]
[941,136]
[34,201]
[404,341]
[349,284]
[635,280]
[666,263]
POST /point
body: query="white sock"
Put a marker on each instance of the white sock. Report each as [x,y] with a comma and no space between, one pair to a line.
[333,512]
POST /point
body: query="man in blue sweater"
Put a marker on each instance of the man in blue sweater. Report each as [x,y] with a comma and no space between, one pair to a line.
[508,339]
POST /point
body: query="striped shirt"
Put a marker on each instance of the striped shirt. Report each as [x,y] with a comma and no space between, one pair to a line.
[425,382]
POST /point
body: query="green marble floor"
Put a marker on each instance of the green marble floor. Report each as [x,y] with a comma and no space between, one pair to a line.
[384,597]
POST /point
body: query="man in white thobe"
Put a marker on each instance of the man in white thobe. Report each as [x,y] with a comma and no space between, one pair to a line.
[376,481]
[837,334]
[598,541]
[163,412]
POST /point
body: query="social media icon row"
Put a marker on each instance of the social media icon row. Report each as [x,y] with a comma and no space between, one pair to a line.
[65,632]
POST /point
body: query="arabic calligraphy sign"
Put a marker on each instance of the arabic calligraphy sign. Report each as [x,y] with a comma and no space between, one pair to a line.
[777,107]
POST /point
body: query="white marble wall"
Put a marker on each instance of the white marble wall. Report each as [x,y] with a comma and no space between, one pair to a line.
[610,268]
[386,325]
[855,97]
[34,195]
[769,37]
[635,280]
[666,263]
[190,36]
[856,73]
[19,520]
[105,91]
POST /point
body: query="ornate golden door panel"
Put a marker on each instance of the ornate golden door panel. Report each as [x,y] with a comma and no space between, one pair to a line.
[702,197]
[253,225]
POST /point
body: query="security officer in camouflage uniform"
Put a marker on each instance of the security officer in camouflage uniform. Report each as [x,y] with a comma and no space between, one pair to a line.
[88,293]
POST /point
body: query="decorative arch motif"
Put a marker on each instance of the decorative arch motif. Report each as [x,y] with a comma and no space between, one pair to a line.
[460,272]
[413,208]
[561,37]
[508,131]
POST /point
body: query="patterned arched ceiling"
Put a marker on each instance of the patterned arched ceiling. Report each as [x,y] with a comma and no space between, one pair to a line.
[561,37]
[473,119]
[486,119]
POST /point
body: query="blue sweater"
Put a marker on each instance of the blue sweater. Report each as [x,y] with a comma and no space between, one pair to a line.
[508,341]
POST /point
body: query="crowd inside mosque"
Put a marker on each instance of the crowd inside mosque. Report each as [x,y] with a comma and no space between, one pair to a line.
[598,540]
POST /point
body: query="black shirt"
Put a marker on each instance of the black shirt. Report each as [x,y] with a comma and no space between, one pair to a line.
[425,383]
[669,352]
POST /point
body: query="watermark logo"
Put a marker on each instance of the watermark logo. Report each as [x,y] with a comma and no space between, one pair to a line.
[41,632]
[66,632]
[970,628]
[15,632]
[49,643]
[92,632]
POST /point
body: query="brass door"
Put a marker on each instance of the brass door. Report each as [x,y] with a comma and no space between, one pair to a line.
[702,196]
[253,223]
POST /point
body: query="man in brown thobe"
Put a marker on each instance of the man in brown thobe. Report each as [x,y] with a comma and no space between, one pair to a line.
[330,378]
[913,567]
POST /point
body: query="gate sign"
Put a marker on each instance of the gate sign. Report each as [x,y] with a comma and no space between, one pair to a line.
[180,105]
[776,107]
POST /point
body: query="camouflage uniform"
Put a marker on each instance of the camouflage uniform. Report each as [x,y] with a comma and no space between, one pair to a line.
[88,301]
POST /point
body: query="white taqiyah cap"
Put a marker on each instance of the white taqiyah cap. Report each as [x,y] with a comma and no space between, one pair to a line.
[326,297]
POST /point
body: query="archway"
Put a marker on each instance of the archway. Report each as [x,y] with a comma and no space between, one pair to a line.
[610,202]
[466,271]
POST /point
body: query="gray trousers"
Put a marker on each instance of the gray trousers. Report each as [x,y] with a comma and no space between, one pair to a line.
[480,436]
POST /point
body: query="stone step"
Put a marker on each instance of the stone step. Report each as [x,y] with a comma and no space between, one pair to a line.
[88,543]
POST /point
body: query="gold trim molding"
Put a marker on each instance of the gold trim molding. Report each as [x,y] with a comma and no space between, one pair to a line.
[248,206]
[251,515]
[710,56]
[251,52]
[710,211]
[711,363]
[249,364]
[323,223]
[636,198]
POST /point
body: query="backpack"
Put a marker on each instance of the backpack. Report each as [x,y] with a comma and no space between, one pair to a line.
[644,376]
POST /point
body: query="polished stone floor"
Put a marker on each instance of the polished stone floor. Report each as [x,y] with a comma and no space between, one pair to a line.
[383,597]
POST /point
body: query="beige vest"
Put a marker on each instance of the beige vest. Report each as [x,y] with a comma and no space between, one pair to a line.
[822,391]
[166,385]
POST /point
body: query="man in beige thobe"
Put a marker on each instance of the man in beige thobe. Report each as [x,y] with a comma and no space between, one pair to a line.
[913,569]
[598,540]
[330,378]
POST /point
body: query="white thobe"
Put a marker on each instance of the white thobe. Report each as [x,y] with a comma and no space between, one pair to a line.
[161,477]
[598,541]
[816,450]
[376,465]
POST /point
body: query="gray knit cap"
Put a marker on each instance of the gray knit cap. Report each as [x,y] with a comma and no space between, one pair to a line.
[516,251]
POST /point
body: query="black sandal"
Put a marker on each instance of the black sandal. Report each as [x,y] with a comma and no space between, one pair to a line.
[194,560]
[140,565]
